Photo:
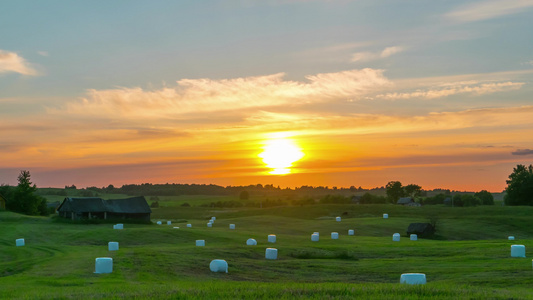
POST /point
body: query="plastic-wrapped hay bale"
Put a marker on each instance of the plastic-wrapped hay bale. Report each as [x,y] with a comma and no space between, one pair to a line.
[351,232]
[169,222]
[511,238]
[19,242]
[314,237]
[200,243]
[218,265]
[112,246]
[396,237]
[413,278]
[103,265]
[189,225]
[271,238]
[213,218]
[120,226]
[209,224]
[159,223]
[231,226]
[518,251]
[338,219]
[317,233]
[334,235]
[271,253]
[385,216]
[251,242]
[413,237]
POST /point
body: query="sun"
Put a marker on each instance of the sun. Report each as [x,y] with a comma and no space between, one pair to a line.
[280,154]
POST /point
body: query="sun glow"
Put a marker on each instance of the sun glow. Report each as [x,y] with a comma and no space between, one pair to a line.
[280,154]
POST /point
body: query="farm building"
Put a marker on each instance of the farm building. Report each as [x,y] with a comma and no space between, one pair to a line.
[405,200]
[98,208]
[421,229]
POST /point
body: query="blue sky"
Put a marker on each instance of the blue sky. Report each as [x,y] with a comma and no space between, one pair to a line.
[74,71]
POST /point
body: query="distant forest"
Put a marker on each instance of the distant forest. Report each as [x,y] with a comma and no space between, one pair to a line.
[177,189]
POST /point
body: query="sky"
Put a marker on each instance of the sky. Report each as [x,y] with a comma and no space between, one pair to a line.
[434,93]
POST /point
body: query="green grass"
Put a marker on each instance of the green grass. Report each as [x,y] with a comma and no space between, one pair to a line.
[470,260]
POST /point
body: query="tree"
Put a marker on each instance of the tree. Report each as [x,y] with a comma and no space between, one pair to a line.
[24,200]
[394,191]
[413,190]
[485,197]
[244,195]
[520,186]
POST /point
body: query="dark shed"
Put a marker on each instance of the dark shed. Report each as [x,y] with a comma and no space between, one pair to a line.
[98,208]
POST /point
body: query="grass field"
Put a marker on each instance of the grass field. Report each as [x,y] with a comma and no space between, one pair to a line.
[470,259]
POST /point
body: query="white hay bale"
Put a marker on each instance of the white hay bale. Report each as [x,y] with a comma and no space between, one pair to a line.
[518,251]
[271,253]
[231,226]
[103,265]
[176,228]
[189,225]
[169,222]
[511,238]
[119,226]
[218,265]
[209,224]
[385,216]
[315,237]
[200,243]
[413,237]
[112,246]
[213,218]
[413,278]
[271,238]
[334,235]
[19,242]
[396,237]
[159,223]
[211,221]
[351,232]
[251,242]
[317,233]
[338,219]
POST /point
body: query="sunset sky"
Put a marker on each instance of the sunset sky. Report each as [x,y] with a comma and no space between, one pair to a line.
[436,93]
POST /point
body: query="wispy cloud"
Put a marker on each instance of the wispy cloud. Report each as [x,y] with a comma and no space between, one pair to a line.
[207,95]
[522,152]
[485,10]
[453,89]
[42,53]
[12,62]
[369,56]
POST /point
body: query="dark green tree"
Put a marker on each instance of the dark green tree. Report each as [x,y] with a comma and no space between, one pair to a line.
[520,186]
[24,198]
[413,190]
[394,191]
[485,197]
[244,195]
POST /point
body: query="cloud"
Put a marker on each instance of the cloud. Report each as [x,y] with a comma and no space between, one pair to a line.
[194,96]
[522,152]
[488,10]
[453,89]
[12,62]
[42,53]
[369,56]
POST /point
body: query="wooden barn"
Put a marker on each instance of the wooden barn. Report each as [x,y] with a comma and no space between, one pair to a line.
[97,208]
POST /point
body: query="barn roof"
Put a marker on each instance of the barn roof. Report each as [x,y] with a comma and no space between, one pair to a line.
[83,204]
[404,200]
[129,205]
[95,204]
